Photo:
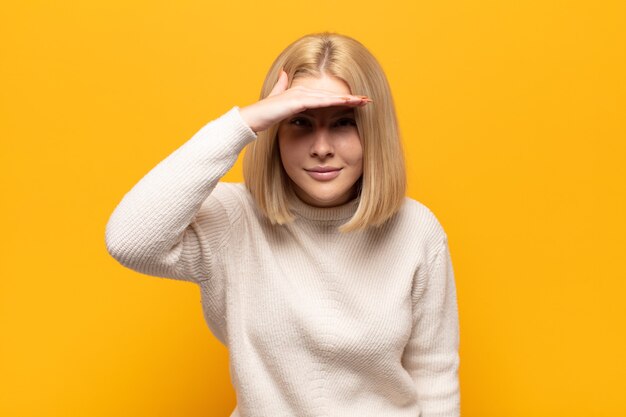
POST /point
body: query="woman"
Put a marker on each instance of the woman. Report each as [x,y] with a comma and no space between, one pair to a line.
[333,291]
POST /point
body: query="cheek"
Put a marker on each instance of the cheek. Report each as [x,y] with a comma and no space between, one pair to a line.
[352,152]
[288,151]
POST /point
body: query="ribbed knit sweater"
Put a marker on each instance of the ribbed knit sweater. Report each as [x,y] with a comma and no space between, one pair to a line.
[316,323]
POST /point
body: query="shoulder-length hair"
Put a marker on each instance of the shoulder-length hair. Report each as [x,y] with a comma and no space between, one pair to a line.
[382,186]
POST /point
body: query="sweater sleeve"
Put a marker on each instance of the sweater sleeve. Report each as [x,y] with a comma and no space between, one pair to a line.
[431,356]
[166,225]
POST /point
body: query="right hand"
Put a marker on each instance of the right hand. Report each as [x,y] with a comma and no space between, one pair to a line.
[283,102]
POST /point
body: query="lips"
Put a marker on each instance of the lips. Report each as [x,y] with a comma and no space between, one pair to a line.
[323,169]
[323,173]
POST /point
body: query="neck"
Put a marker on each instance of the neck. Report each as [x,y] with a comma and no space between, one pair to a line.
[340,212]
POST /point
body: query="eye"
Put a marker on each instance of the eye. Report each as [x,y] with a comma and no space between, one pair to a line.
[299,122]
[346,122]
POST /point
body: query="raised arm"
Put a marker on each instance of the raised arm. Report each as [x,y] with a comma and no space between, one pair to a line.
[165,225]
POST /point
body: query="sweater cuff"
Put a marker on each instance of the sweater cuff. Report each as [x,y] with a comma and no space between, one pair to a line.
[241,121]
[235,134]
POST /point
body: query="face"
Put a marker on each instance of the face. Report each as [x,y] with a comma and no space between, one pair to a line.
[322,137]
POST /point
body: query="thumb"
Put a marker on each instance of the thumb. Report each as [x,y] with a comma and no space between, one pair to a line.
[281,84]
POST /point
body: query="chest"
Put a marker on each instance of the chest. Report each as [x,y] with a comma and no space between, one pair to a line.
[334,297]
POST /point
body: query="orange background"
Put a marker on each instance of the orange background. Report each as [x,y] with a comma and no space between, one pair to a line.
[513,121]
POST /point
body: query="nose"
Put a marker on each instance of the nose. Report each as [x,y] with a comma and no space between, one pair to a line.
[322,145]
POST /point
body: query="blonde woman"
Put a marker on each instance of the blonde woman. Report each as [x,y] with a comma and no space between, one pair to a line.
[333,291]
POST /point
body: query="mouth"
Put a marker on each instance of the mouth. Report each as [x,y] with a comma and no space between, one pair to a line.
[324,175]
[323,168]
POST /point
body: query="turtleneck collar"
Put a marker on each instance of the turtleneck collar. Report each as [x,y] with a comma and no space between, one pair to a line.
[341,212]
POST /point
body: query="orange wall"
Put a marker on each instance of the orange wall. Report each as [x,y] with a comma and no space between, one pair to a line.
[513,119]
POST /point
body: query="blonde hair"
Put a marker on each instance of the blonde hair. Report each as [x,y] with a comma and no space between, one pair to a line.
[382,186]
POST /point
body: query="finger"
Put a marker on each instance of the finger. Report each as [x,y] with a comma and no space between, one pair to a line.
[343,100]
[357,98]
[281,84]
[348,98]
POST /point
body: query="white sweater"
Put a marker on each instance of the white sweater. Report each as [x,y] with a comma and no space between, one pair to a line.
[316,323]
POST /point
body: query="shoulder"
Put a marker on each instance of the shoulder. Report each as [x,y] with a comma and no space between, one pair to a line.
[418,222]
[420,214]
[226,197]
[236,198]
[226,189]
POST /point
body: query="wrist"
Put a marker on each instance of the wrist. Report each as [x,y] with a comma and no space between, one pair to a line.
[243,112]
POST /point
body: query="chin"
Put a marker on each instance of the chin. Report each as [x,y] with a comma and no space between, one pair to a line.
[328,199]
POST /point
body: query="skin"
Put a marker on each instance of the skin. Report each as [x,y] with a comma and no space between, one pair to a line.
[325,136]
